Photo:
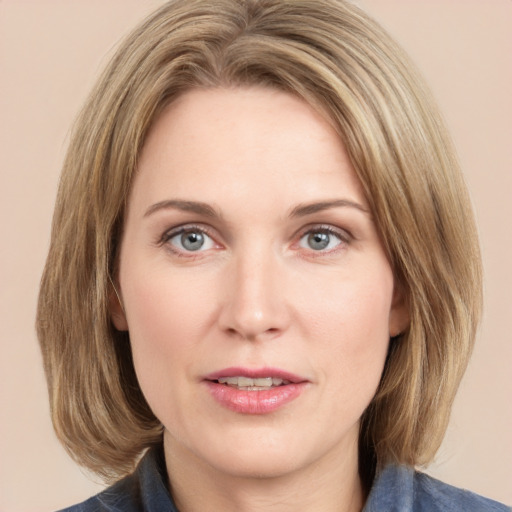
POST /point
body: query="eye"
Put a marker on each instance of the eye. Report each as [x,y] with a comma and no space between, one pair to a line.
[321,239]
[190,240]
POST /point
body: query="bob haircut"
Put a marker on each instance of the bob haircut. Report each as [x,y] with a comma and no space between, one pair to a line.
[337,59]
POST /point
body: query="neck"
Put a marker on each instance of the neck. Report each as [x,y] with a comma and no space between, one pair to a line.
[331,484]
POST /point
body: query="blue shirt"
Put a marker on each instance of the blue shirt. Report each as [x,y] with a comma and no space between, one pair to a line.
[395,489]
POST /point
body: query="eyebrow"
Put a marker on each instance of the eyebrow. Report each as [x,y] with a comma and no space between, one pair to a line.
[186,206]
[308,209]
[205,209]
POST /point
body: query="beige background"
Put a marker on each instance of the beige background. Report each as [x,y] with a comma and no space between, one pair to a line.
[50,53]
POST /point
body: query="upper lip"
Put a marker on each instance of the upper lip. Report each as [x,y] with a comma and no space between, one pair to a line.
[255,373]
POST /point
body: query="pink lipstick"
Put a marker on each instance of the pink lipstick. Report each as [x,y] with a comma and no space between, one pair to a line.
[254,391]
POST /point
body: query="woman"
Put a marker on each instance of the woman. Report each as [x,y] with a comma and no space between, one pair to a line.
[263,267]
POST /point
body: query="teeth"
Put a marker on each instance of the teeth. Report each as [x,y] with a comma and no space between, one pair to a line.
[252,384]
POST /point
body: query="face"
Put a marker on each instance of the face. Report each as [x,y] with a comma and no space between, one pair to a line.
[256,292]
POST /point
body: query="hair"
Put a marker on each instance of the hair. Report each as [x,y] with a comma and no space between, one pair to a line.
[340,61]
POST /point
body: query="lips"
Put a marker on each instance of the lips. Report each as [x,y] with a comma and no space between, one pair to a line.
[254,391]
[250,384]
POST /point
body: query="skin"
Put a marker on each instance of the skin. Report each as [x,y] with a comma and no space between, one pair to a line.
[258,293]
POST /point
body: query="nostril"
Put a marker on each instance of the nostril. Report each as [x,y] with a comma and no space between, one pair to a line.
[246,334]
[246,314]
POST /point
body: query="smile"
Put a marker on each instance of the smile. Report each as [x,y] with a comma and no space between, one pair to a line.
[248,391]
[249,384]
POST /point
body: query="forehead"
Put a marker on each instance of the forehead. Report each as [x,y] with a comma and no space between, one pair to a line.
[243,141]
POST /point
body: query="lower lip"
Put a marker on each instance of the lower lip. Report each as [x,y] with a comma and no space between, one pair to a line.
[254,402]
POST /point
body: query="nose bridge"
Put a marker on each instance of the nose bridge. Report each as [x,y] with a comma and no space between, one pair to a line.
[254,305]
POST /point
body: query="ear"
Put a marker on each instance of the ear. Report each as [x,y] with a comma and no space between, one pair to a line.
[116,308]
[399,318]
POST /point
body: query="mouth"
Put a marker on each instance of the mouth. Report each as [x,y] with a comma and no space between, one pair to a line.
[264,378]
[249,384]
[249,391]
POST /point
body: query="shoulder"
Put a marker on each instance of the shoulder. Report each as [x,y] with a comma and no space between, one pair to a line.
[436,495]
[123,496]
[402,489]
[143,491]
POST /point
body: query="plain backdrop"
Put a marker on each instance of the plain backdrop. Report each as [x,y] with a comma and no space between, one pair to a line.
[50,53]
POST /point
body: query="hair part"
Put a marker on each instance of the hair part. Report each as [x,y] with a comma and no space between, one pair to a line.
[336,58]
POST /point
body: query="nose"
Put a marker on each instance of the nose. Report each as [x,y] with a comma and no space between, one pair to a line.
[254,306]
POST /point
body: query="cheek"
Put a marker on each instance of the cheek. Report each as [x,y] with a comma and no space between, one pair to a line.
[163,307]
[166,320]
[351,308]
[351,328]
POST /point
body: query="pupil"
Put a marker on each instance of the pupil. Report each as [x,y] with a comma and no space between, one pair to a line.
[318,241]
[192,241]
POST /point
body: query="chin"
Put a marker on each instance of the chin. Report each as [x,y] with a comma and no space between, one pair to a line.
[246,453]
[258,464]
[267,453]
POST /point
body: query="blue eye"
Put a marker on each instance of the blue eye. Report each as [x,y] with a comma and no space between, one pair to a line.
[191,240]
[320,240]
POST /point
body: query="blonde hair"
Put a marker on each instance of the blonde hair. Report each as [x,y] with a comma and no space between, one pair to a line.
[336,58]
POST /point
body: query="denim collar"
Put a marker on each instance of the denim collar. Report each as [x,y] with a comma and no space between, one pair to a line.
[395,489]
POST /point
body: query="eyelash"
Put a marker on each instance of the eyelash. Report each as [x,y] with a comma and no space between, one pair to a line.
[343,236]
[188,228]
